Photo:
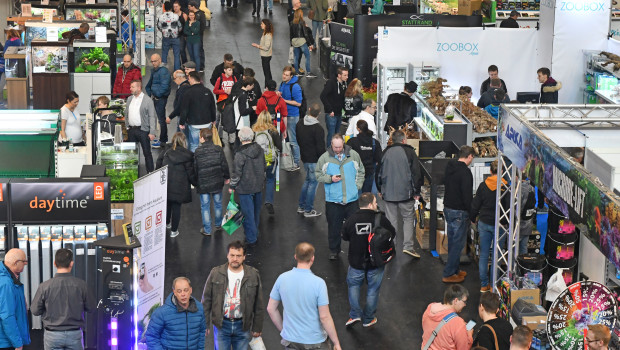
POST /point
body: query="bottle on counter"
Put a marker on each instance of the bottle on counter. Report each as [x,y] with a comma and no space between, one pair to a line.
[70,147]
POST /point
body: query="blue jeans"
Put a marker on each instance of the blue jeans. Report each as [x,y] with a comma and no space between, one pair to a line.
[369,181]
[160,110]
[193,137]
[194,52]
[70,340]
[458,224]
[250,207]
[270,4]
[270,183]
[292,137]
[487,235]
[306,52]
[166,44]
[308,189]
[317,26]
[332,124]
[205,207]
[355,280]
[231,334]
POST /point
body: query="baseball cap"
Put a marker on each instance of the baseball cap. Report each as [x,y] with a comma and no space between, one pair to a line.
[189,64]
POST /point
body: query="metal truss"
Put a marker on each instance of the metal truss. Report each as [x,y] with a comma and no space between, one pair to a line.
[128,46]
[578,116]
[158,6]
[16,9]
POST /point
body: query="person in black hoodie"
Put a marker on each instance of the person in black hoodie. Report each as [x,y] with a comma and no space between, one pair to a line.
[356,230]
[197,111]
[253,95]
[458,183]
[219,69]
[549,88]
[369,150]
[182,83]
[332,98]
[311,140]
[212,174]
[181,175]
[483,208]
[401,108]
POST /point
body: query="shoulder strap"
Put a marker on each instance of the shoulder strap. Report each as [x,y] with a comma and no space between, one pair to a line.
[443,322]
[494,336]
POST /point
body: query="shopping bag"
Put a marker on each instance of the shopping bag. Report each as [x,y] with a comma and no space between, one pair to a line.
[234,217]
[257,344]
[291,56]
[286,158]
[216,136]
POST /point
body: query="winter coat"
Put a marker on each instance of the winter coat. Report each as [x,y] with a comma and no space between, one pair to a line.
[311,139]
[159,84]
[486,85]
[14,329]
[248,169]
[401,109]
[453,335]
[198,106]
[178,98]
[332,96]
[352,174]
[549,91]
[219,70]
[484,203]
[192,32]
[369,150]
[172,327]
[181,173]
[458,182]
[124,78]
[353,105]
[398,176]
[285,89]
[359,257]
[320,9]
[211,168]
[251,295]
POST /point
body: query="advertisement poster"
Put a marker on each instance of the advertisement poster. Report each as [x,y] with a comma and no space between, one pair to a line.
[571,191]
[149,226]
[341,46]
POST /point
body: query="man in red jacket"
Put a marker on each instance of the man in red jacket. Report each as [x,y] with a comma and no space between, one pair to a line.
[273,103]
[127,73]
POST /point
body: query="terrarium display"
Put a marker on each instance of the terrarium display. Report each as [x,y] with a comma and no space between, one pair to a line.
[121,164]
[40,33]
[92,59]
[99,15]
[49,59]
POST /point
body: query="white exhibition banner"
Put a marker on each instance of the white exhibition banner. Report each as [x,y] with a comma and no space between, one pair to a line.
[464,54]
[149,226]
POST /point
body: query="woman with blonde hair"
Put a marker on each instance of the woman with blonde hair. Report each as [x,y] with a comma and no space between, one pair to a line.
[181,175]
[268,138]
[301,39]
[353,99]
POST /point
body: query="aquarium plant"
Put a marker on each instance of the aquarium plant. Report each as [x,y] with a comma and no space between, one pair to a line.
[94,61]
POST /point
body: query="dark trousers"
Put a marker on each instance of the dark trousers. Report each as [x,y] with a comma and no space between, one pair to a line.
[336,214]
[202,49]
[134,134]
[173,214]
[256,6]
[160,109]
[266,61]
[234,3]
[183,45]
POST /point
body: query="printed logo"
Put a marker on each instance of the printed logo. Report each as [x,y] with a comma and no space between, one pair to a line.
[468,48]
[579,6]
[346,30]
[59,202]
[162,177]
[514,136]
[149,223]
[136,227]
[98,189]
[363,228]
[158,218]
[418,17]
[417,21]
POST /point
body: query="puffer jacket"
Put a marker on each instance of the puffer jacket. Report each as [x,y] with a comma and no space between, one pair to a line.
[181,173]
[14,329]
[172,327]
[251,294]
[159,83]
[248,170]
[352,174]
[398,176]
[211,168]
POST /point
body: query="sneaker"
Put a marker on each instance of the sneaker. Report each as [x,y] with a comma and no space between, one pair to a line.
[353,321]
[253,13]
[169,226]
[333,256]
[301,70]
[270,12]
[312,214]
[462,273]
[310,75]
[205,233]
[411,252]
[453,279]
[174,234]
[218,228]
[270,208]
[485,289]
[264,10]
[300,74]
[300,210]
[371,323]
[156,144]
[295,168]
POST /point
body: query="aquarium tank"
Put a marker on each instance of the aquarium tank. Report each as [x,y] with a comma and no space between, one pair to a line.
[92,59]
[81,14]
[121,164]
[49,59]
[40,33]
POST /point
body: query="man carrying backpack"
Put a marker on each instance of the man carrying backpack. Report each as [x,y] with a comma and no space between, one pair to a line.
[293,95]
[357,230]
[272,102]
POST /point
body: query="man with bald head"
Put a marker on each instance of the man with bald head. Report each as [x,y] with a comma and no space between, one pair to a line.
[126,73]
[158,89]
[14,330]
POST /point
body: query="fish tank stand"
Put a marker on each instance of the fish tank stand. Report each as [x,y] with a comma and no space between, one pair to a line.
[90,70]
[50,76]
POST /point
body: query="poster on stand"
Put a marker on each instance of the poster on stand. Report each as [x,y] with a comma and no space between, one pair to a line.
[149,226]
[341,46]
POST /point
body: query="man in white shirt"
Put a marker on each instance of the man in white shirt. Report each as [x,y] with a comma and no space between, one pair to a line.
[141,121]
[369,108]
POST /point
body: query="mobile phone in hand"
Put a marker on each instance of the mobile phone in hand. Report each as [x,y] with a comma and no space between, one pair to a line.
[470,325]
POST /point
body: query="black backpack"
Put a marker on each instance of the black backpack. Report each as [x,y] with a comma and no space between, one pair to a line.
[228,115]
[304,103]
[380,244]
[272,108]
[528,211]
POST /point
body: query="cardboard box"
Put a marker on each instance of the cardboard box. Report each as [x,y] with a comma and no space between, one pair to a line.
[415,143]
[529,295]
[442,242]
[468,7]
[423,237]
[534,322]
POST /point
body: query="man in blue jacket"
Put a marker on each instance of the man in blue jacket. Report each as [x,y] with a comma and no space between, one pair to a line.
[180,322]
[291,93]
[14,330]
[158,89]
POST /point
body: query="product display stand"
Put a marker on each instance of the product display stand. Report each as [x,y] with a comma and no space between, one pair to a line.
[56,243]
[79,241]
[22,241]
[67,241]
[46,262]
[35,268]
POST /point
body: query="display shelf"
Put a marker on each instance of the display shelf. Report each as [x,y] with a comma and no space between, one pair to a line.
[476,135]
[420,123]
[609,96]
[484,160]
[524,14]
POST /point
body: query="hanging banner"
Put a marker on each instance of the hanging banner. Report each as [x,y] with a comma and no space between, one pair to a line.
[149,226]
[564,185]
[464,54]
[341,46]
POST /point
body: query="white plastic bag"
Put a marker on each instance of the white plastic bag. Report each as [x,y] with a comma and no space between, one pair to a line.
[287,162]
[291,56]
[555,286]
[257,344]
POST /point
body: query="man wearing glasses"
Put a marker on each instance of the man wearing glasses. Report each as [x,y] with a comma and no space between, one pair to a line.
[443,328]
[598,337]
[14,332]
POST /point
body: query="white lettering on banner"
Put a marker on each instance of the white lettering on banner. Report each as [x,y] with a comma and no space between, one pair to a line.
[514,136]
[471,48]
[564,187]
[346,30]
[581,6]
[547,3]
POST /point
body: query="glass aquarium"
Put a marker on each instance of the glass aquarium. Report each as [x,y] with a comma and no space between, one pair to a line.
[49,59]
[15,62]
[100,15]
[91,59]
[121,164]
[40,33]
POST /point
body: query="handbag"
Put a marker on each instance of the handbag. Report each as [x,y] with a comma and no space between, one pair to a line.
[286,158]
[216,136]
[291,56]
[234,217]
[494,336]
